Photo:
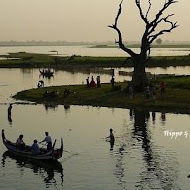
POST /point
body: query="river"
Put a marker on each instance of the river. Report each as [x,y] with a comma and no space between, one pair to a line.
[145,155]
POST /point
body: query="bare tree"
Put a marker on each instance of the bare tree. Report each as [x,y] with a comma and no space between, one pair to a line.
[139,77]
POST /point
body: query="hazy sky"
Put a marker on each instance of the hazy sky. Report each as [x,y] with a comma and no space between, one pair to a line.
[81,20]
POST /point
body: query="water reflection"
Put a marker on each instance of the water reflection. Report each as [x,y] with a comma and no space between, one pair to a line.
[50,106]
[46,170]
[161,168]
[163,118]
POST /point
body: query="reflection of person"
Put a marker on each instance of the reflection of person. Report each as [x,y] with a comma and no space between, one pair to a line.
[112,139]
[19,142]
[35,148]
[48,140]
[9,109]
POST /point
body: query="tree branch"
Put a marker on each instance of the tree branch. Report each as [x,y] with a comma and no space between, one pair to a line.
[120,41]
[174,25]
[144,18]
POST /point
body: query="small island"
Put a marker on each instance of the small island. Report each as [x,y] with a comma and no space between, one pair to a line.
[175,99]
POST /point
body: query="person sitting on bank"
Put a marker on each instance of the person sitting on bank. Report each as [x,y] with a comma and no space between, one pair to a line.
[35,147]
[48,140]
[20,143]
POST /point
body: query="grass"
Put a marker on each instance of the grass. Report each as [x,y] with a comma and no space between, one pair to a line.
[176,98]
[23,59]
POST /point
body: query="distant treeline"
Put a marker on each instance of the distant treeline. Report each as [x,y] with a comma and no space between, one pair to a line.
[108,44]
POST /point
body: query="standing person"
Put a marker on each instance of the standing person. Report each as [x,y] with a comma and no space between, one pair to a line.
[98,81]
[112,81]
[111,139]
[48,140]
[35,147]
[87,82]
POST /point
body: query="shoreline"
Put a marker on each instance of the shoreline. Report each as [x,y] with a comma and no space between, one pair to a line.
[173,101]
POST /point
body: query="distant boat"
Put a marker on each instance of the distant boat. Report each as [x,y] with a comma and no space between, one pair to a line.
[53,154]
[46,72]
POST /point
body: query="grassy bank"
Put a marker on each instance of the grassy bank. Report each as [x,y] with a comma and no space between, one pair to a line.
[176,98]
[23,59]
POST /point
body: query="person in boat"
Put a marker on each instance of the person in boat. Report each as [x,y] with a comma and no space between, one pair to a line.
[20,143]
[48,140]
[35,147]
[111,139]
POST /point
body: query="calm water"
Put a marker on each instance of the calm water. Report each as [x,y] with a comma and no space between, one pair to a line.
[86,51]
[143,156]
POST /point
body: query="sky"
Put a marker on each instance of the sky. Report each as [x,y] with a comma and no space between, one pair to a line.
[82,20]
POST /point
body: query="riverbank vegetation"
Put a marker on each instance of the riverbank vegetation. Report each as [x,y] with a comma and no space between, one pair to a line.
[175,99]
[33,60]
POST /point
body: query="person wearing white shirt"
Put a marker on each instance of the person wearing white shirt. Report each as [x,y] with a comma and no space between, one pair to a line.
[48,140]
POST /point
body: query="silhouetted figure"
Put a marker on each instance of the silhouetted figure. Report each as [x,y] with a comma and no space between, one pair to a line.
[111,139]
[112,81]
[87,82]
[98,81]
[35,148]
[40,83]
[48,140]
[92,82]
[20,143]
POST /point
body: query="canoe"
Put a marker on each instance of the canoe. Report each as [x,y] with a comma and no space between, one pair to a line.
[53,154]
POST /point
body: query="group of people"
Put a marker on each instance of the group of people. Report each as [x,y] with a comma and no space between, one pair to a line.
[35,149]
[40,84]
[92,83]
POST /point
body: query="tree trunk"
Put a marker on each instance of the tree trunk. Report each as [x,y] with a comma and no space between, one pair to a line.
[139,77]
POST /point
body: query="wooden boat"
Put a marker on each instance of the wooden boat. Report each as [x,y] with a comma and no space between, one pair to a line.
[53,154]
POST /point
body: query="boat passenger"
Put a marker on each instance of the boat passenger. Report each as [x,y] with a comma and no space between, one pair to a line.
[20,143]
[48,140]
[35,147]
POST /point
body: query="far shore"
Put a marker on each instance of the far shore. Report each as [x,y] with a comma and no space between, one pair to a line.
[176,98]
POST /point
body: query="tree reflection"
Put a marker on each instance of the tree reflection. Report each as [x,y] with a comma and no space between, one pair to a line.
[37,167]
[160,168]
